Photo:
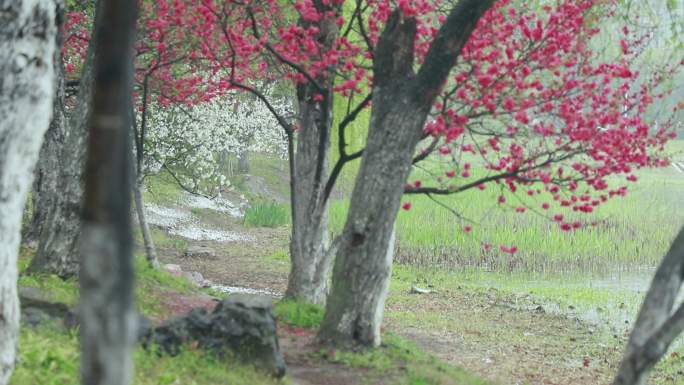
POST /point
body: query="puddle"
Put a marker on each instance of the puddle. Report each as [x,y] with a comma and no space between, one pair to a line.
[614,307]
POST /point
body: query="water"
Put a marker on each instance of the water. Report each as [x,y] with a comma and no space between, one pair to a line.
[610,302]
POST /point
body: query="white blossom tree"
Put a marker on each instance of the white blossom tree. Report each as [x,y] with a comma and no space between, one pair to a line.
[188,142]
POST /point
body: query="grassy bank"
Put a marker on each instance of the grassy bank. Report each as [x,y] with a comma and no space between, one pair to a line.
[49,354]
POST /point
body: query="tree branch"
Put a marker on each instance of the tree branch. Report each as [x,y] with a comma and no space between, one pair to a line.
[446,48]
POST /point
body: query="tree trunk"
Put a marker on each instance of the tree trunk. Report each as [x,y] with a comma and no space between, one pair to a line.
[311,259]
[47,178]
[364,259]
[27,49]
[150,249]
[107,315]
[243,162]
[401,103]
[657,325]
[308,279]
[60,196]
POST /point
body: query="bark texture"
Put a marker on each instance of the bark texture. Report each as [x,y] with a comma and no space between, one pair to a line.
[107,315]
[150,249]
[401,102]
[46,180]
[658,322]
[59,185]
[27,48]
[243,165]
[308,279]
[310,256]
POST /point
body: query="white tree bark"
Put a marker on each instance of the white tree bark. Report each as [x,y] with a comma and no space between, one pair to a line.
[27,46]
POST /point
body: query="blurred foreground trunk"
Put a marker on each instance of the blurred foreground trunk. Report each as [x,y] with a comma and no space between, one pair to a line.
[107,313]
[27,49]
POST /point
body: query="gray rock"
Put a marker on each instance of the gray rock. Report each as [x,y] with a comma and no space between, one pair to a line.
[202,252]
[196,278]
[36,309]
[173,269]
[419,290]
[242,326]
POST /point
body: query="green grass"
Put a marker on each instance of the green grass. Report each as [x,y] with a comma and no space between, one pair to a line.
[671,367]
[59,290]
[162,239]
[589,297]
[274,172]
[154,286]
[397,358]
[430,235]
[50,356]
[400,355]
[299,314]
[267,214]
[162,189]
[151,285]
[279,256]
